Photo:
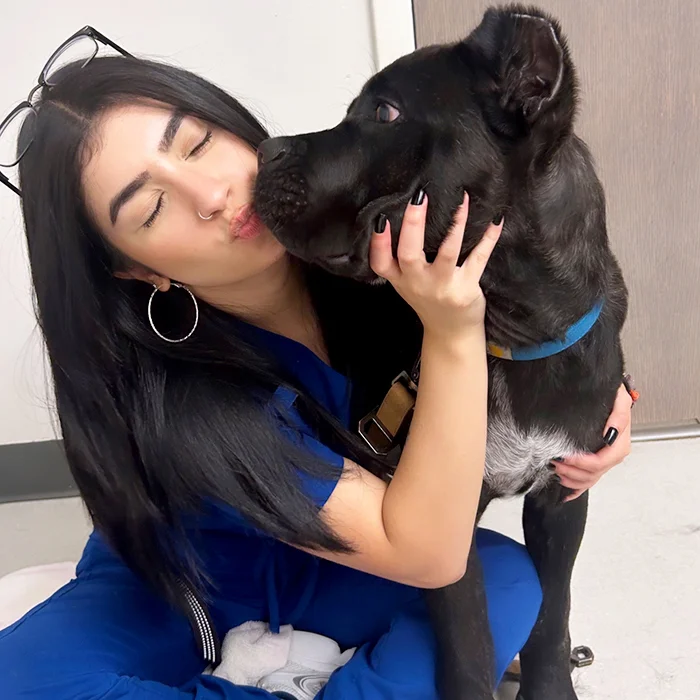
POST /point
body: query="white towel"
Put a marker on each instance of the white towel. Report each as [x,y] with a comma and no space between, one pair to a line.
[250,652]
[295,663]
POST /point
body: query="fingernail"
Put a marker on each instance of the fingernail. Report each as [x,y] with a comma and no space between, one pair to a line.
[497,220]
[381,224]
[610,436]
[418,197]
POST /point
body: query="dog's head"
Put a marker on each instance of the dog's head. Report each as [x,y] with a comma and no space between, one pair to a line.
[481,115]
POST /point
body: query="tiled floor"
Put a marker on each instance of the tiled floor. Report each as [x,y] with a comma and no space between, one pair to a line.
[635,592]
[636,588]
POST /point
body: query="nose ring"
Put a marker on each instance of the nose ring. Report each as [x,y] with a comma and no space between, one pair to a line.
[205,218]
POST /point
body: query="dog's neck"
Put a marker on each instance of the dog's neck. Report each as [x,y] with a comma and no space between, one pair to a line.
[552,262]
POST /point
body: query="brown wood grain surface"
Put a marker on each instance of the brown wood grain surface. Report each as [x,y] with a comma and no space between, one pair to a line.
[638,63]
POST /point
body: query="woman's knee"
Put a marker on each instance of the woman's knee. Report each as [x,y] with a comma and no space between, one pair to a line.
[522,577]
[401,664]
[513,593]
[28,670]
[507,564]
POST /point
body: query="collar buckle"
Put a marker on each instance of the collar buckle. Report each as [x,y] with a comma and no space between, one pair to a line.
[386,426]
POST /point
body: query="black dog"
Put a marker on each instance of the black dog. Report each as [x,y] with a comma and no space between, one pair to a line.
[492,115]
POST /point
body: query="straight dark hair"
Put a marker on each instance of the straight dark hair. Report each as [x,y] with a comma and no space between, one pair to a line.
[154,431]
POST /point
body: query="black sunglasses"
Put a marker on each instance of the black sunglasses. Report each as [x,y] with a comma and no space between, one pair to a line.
[21,120]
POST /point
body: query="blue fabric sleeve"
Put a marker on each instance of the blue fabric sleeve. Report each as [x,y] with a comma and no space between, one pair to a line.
[319,490]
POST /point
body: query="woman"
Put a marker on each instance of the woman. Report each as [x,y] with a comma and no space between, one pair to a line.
[221,472]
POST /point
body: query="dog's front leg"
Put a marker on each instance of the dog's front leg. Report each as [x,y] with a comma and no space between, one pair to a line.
[466,665]
[553,533]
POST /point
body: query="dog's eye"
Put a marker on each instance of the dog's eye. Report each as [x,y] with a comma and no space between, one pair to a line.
[386,113]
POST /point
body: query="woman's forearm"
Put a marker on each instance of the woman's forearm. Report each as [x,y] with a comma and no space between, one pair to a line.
[429,508]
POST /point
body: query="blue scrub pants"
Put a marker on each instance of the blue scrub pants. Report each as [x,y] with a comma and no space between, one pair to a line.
[104,636]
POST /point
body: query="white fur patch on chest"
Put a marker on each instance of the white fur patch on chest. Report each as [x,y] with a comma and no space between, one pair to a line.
[515,457]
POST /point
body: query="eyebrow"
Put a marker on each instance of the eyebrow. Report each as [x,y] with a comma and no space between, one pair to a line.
[171,130]
[128,193]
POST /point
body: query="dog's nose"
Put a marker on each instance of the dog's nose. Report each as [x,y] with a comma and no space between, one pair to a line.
[272,149]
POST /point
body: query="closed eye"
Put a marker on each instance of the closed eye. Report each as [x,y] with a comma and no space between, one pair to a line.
[152,218]
[201,145]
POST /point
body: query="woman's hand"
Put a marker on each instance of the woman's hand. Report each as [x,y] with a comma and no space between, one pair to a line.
[580,472]
[447,298]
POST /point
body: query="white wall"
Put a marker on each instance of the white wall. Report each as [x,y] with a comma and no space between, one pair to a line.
[393,29]
[295,63]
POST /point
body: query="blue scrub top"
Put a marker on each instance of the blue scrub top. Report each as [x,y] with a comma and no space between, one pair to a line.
[244,563]
[106,635]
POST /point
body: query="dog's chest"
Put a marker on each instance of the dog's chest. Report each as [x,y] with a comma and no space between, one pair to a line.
[515,458]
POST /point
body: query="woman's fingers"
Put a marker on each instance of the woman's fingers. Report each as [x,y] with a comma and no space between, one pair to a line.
[619,443]
[585,461]
[381,257]
[621,415]
[606,458]
[451,247]
[572,475]
[410,253]
[476,262]
[573,496]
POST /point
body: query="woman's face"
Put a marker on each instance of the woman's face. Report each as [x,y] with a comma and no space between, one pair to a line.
[172,193]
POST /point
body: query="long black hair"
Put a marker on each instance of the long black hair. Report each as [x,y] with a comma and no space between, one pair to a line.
[153,431]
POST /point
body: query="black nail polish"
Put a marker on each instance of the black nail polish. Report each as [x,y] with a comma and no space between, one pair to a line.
[418,197]
[381,223]
[610,436]
[497,219]
[557,459]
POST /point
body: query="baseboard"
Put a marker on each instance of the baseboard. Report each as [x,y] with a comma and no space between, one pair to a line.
[34,470]
[682,431]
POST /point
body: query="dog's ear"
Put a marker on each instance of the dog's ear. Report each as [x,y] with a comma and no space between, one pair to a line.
[521,67]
